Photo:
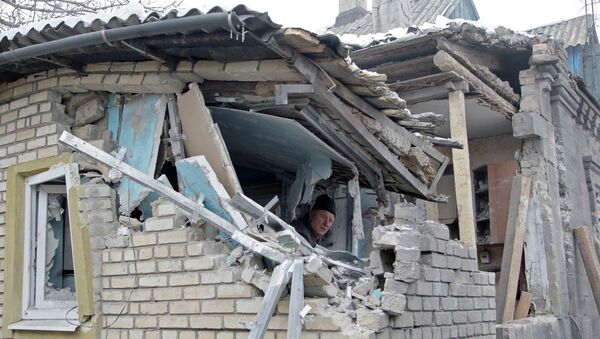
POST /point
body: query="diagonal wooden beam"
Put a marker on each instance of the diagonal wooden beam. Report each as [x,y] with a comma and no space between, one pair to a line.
[296,300]
[187,206]
[279,279]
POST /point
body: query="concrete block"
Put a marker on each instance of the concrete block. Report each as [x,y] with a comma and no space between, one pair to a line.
[530,125]
[393,303]
[394,286]
[431,304]
[423,318]
[155,224]
[372,319]
[89,112]
[434,260]
[407,271]
[87,132]
[364,286]
[437,230]
[404,320]
[443,318]
[407,213]
[327,291]
[407,254]
[116,241]
[414,303]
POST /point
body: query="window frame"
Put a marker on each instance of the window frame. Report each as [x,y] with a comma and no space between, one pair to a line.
[13,324]
[42,309]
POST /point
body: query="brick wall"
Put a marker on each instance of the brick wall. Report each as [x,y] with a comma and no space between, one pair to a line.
[167,284]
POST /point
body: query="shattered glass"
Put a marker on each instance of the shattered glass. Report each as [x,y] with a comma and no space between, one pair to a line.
[59,281]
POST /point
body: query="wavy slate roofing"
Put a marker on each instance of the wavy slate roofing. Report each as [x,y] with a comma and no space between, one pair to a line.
[255,22]
[424,11]
[571,32]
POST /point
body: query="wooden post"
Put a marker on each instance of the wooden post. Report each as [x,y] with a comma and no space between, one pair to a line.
[513,248]
[590,260]
[279,279]
[462,168]
[523,305]
[296,300]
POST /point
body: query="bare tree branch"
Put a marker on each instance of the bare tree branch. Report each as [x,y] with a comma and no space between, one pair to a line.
[14,13]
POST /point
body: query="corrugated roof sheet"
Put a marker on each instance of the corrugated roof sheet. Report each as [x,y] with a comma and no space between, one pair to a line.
[58,29]
[571,32]
[424,11]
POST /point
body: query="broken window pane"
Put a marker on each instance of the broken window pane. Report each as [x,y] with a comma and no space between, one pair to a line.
[59,278]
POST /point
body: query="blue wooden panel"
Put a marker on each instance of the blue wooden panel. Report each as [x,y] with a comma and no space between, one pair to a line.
[575,54]
[113,114]
[141,126]
[194,182]
[465,9]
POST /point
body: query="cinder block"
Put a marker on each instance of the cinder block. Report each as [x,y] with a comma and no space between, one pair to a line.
[372,319]
[155,224]
[404,320]
[393,303]
[434,260]
[89,112]
[530,125]
[407,271]
[87,132]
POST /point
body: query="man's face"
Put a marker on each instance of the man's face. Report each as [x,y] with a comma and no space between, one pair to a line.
[321,221]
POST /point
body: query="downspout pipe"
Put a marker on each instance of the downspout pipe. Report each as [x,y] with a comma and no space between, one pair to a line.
[207,23]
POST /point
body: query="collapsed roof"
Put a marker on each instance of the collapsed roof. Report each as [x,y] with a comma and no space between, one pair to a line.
[248,62]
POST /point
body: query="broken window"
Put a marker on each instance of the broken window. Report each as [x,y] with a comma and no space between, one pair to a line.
[49,281]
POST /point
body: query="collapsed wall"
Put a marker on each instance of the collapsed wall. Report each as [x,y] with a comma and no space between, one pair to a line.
[164,281]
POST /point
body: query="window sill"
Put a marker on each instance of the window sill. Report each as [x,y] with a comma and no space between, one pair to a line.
[45,325]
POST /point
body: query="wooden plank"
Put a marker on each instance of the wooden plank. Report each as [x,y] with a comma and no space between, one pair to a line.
[523,305]
[202,137]
[513,248]
[403,70]
[186,205]
[249,206]
[140,130]
[590,260]
[279,279]
[175,137]
[113,115]
[499,181]
[198,179]
[296,300]
[494,62]
[463,183]
[447,63]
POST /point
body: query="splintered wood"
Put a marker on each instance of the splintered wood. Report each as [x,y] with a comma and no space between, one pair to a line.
[513,248]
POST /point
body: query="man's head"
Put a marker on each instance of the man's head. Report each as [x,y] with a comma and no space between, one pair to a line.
[322,215]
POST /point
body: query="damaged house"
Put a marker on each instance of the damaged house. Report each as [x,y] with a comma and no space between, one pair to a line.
[152,164]
[524,112]
[151,167]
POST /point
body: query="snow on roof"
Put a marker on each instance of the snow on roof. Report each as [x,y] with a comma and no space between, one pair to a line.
[403,34]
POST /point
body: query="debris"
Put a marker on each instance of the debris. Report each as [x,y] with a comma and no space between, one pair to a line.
[90,112]
[372,319]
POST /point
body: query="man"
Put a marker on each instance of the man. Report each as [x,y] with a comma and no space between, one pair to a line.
[315,226]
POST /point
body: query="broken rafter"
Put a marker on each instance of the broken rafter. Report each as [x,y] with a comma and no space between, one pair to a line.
[447,63]
[188,206]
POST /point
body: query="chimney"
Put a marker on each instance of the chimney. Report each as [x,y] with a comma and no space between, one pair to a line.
[388,14]
[346,5]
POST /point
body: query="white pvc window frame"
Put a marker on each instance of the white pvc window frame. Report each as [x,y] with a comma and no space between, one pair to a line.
[35,219]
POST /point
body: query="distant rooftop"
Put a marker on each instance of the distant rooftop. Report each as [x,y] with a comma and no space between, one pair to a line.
[571,32]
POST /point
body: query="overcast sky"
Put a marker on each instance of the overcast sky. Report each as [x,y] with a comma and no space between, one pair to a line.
[318,14]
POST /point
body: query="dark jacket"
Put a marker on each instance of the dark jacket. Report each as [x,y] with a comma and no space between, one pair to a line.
[302,226]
